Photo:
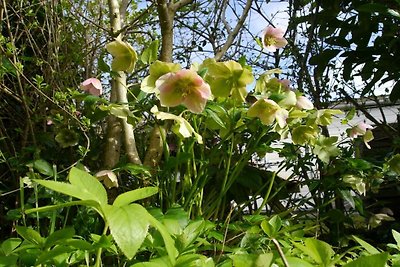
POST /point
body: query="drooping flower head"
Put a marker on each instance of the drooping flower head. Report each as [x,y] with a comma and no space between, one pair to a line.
[364,130]
[359,129]
[183,87]
[304,103]
[92,86]
[273,39]
[268,111]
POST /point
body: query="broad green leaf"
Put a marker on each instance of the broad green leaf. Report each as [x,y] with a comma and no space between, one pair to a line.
[157,262]
[8,260]
[368,247]
[272,226]
[190,234]
[124,55]
[43,167]
[88,185]
[297,262]
[246,260]
[51,255]
[30,235]
[194,260]
[394,163]
[134,195]
[318,250]
[375,260]
[59,237]
[168,241]
[9,245]
[396,236]
[128,225]
[149,55]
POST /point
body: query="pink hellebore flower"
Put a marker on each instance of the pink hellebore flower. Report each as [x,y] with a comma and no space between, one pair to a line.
[359,129]
[364,130]
[304,103]
[92,86]
[273,38]
[184,87]
[268,111]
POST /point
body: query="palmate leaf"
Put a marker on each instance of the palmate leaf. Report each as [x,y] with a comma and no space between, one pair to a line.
[83,186]
[124,55]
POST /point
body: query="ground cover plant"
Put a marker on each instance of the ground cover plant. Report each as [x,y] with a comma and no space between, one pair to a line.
[158,162]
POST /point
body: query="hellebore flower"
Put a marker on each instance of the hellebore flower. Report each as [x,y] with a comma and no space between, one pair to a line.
[108,177]
[92,86]
[268,111]
[184,87]
[273,39]
[304,103]
[364,130]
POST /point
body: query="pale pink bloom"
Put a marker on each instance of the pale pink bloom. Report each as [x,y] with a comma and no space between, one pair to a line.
[92,86]
[285,83]
[304,103]
[359,129]
[183,87]
[273,39]
[49,122]
[108,177]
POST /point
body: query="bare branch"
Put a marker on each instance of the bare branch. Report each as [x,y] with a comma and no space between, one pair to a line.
[234,33]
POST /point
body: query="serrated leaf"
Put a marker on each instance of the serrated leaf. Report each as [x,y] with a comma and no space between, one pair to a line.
[129,225]
[134,195]
[149,55]
[88,185]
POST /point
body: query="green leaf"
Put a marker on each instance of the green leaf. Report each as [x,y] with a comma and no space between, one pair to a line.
[59,237]
[30,235]
[318,250]
[8,260]
[88,185]
[50,256]
[134,195]
[149,55]
[9,245]
[368,247]
[375,260]
[194,260]
[124,55]
[89,203]
[396,236]
[272,227]
[83,186]
[297,262]
[190,234]
[43,167]
[246,260]
[128,225]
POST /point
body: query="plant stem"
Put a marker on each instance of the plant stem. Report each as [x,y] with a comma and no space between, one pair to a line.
[278,247]
[99,250]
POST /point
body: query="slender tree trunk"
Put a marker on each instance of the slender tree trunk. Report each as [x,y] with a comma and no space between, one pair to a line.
[119,91]
[166,13]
